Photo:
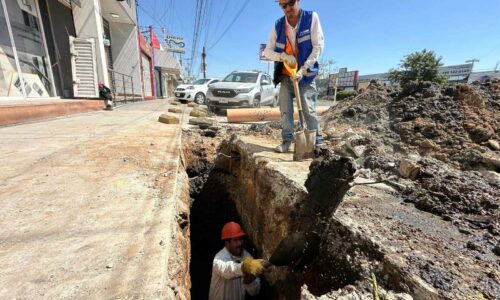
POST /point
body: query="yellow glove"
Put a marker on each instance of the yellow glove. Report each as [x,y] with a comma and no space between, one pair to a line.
[254,267]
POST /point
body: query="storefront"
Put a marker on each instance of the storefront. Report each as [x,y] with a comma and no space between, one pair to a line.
[25,67]
[147,69]
[168,72]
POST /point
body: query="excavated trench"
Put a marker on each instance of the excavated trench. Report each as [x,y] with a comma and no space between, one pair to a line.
[272,209]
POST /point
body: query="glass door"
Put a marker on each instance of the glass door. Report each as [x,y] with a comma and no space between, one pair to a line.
[33,73]
[8,67]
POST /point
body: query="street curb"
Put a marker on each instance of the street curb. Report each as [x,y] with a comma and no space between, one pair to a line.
[11,115]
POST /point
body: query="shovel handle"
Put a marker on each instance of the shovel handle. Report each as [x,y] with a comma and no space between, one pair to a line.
[298,100]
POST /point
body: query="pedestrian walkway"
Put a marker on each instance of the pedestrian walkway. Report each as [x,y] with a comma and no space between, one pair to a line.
[88,206]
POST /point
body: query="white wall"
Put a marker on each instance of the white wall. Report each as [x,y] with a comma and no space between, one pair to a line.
[126,52]
[131,10]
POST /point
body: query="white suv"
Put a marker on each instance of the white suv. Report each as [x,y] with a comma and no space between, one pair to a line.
[197,91]
[242,89]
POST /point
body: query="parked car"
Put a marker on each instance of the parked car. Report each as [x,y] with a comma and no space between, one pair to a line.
[242,89]
[196,91]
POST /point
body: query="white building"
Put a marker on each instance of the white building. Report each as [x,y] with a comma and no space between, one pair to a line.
[64,48]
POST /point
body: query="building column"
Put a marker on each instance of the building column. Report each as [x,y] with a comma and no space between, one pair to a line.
[88,24]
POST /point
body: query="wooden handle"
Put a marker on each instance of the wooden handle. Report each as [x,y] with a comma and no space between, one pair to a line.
[297,94]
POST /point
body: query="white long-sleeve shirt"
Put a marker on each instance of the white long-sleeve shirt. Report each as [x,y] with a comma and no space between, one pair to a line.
[227,278]
[317,39]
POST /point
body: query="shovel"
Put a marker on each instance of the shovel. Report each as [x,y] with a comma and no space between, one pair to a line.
[305,140]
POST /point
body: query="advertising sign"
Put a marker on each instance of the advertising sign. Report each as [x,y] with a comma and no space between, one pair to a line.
[144,45]
[262,47]
[345,79]
[175,44]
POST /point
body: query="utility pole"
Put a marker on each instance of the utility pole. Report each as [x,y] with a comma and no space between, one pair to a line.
[474,60]
[335,90]
[203,65]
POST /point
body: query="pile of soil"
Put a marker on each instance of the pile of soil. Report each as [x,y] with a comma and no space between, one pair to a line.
[449,133]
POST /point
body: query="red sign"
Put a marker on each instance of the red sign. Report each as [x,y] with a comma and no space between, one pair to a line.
[144,45]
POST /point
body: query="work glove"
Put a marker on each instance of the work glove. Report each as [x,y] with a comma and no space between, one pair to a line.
[254,267]
[300,73]
[288,59]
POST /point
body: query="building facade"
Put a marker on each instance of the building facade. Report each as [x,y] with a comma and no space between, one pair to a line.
[454,74]
[64,48]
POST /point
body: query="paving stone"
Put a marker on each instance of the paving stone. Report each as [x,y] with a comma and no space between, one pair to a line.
[168,119]
[198,114]
[201,122]
[175,110]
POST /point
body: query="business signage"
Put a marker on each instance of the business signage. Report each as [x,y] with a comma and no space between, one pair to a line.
[175,44]
[144,45]
[345,79]
[262,47]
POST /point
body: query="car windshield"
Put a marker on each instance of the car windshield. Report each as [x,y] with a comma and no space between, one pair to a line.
[242,77]
[201,81]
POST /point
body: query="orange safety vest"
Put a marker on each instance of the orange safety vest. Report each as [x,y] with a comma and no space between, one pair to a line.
[289,50]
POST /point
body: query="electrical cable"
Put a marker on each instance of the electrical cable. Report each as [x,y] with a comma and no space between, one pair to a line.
[231,24]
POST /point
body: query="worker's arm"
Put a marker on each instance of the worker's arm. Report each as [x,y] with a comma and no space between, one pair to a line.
[252,288]
[269,52]
[227,269]
[318,42]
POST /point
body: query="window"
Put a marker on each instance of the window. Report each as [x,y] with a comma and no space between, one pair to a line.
[201,81]
[242,77]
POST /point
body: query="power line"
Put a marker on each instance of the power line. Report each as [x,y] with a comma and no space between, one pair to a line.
[231,24]
[493,50]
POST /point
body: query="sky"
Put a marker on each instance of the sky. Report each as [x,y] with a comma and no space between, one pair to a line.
[365,35]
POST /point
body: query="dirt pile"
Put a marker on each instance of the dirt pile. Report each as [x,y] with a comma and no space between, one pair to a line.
[441,142]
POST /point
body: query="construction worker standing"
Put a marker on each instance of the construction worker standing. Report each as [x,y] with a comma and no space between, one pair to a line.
[234,271]
[297,37]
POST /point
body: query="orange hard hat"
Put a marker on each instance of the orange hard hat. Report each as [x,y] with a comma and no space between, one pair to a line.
[231,230]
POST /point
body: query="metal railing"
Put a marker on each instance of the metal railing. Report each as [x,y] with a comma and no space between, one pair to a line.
[122,87]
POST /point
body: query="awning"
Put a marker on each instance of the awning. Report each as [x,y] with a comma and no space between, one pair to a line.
[166,62]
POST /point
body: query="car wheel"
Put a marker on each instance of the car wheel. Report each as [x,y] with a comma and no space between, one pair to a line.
[199,98]
[256,102]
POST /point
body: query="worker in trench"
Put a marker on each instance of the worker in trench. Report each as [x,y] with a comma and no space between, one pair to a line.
[235,272]
[297,37]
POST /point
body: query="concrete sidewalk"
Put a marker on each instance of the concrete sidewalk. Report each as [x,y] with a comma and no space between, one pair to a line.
[90,205]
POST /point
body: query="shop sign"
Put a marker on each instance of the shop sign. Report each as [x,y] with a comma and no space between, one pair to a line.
[144,45]
[262,47]
[175,44]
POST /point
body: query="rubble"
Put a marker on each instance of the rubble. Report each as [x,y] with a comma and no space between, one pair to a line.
[450,133]
[441,160]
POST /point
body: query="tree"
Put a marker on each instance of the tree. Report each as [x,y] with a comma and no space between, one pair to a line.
[421,65]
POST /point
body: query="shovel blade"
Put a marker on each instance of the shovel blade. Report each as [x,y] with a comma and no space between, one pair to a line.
[305,141]
[295,249]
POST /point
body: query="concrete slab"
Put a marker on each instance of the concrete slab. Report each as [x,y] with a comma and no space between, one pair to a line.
[89,207]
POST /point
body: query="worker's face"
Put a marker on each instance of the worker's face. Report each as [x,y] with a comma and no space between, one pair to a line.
[290,7]
[235,246]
